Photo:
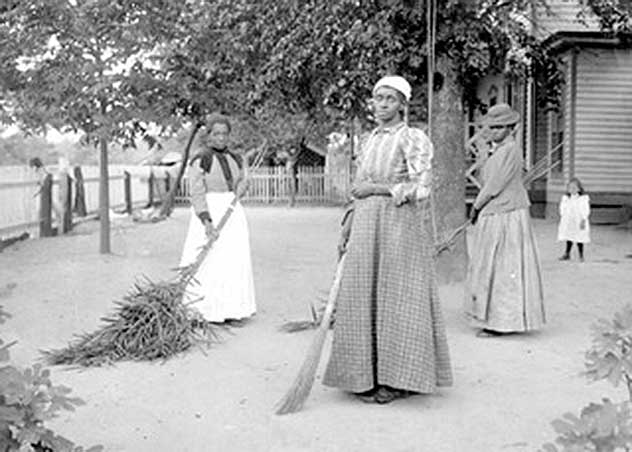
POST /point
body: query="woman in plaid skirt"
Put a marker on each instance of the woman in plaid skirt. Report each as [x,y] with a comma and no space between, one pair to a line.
[389,336]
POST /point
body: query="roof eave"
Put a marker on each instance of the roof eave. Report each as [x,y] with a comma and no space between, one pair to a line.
[563,40]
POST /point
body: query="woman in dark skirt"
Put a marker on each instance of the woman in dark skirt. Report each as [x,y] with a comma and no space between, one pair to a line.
[389,335]
[504,281]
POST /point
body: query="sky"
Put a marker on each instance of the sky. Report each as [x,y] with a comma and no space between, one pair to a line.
[52,136]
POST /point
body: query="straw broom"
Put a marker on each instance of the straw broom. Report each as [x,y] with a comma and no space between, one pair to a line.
[302,385]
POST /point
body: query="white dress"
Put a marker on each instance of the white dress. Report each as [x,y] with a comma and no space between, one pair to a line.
[224,286]
[573,210]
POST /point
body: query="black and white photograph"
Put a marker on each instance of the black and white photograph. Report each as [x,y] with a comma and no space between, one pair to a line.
[315,225]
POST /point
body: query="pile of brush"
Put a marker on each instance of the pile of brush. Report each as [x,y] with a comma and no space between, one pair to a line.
[153,321]
[150,323]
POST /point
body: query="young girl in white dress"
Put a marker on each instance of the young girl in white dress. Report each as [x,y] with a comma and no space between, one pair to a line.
[574,226]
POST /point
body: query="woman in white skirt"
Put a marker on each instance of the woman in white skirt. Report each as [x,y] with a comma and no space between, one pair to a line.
[223,288]
[504,280]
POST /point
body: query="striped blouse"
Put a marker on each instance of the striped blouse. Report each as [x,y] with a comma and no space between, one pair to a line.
[401,157]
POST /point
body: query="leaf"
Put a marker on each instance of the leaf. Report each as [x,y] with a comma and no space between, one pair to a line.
[562,427]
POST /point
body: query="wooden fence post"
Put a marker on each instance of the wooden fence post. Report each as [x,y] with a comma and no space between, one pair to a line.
[65,198]
[127,184]
[46,207]
[291,178]
[150,189]
[167,181]
[80,193]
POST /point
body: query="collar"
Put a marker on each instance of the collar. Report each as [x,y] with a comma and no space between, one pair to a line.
[495,146]
[219,151]
[390,129]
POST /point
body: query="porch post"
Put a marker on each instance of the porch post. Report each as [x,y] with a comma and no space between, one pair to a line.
[573,118]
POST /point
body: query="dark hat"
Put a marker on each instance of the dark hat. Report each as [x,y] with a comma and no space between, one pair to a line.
[501,115]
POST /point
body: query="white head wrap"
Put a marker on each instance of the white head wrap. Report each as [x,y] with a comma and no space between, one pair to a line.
[396,82]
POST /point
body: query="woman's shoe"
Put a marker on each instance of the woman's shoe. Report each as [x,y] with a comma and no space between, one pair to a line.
[386,395]
[488,333]
[565,257]
[367,396]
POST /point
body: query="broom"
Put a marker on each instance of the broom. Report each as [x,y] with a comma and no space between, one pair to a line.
[187,272]
[302,385]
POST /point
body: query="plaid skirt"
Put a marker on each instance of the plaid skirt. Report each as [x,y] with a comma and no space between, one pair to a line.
[504,280]
[389,329]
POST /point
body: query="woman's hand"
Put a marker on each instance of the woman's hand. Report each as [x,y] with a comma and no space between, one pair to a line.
[345,233]
[241,187]
[366,189]
[474,215]
[582,224]
[211,232]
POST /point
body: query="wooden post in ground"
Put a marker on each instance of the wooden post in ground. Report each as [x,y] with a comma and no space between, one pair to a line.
[46,207]
[167,187]
[80,193]
[150,189]
[65,195]
[127,183]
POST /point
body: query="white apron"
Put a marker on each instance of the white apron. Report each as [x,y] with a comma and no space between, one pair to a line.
[224,286]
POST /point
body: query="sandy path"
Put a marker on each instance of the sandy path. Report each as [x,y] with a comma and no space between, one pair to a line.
[506,390]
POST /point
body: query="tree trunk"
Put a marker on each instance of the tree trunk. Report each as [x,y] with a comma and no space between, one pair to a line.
[104,199]
[449,169]
[167,205]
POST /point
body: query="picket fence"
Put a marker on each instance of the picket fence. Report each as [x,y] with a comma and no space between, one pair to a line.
[20,203]
[277,185]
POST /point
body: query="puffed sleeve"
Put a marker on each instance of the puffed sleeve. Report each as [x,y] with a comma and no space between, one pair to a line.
[563,205]
[362,173]
[504,170]
[197,187]
[585,206]
[418,152]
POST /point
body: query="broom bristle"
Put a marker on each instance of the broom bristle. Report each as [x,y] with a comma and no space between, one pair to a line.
[299,391]
[302,385]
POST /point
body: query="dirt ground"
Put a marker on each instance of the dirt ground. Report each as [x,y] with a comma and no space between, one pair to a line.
[506,391]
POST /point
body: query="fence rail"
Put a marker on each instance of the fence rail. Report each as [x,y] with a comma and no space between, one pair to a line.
[132,186]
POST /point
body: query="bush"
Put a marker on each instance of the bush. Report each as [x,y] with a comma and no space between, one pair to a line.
[28,399]
[610,356]
[604,427]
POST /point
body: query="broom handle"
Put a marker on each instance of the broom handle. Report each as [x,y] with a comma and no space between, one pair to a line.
[333,294]
[192,269]
[446,243]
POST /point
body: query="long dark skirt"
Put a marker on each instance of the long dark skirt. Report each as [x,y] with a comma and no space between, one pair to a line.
[504,280]
[389,329]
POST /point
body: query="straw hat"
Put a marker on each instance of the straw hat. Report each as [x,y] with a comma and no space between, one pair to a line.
[501,115]
[395,82]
